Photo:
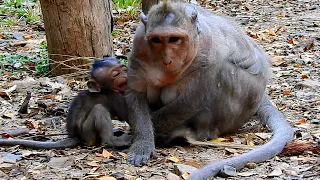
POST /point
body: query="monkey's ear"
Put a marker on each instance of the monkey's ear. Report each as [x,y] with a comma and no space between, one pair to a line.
[143,18]
[93,86]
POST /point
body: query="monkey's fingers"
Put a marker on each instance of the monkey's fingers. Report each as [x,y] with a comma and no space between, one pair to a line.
[140,153]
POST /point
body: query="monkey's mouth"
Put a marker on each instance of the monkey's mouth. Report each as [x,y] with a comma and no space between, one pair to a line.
[122,85]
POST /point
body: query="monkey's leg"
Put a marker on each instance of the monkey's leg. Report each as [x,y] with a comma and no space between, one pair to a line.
[101,121]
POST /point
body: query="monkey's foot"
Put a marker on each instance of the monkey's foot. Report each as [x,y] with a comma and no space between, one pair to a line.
[140,152]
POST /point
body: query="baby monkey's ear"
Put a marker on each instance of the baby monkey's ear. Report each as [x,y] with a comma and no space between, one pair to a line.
[93,86]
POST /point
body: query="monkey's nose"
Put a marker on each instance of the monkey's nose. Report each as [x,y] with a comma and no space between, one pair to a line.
[167,63]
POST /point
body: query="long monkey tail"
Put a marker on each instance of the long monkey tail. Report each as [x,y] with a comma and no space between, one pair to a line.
[66,143]
[282,134]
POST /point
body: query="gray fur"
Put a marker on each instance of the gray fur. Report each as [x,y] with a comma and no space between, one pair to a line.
[222,88]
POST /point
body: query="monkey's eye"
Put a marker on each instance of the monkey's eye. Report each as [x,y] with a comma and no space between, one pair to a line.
[125,69]
[173,39]
[115,73]
[156,40]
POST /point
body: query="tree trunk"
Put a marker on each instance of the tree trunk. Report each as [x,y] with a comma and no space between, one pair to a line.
[147,4]
[76,28]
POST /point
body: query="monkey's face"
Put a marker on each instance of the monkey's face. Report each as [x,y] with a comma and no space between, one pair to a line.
[113,78]
[117,77]
[173,51]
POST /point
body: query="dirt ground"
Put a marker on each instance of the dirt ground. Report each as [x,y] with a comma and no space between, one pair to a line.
[288,30]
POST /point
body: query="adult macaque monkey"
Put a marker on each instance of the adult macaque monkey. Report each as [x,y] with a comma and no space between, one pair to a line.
[193,73]
[89,117]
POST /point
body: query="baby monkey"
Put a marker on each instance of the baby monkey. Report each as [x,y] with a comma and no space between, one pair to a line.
[89,120]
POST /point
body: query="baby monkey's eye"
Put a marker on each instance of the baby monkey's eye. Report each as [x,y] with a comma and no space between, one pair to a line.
[115,73]
[125,69]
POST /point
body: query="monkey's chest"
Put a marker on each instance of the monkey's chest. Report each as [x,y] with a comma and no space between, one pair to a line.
[158,97]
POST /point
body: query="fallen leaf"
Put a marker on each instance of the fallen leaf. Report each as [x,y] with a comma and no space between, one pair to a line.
[106,178]
[219,140]
[185,175]
[93,163]
[60,162]
[247,174]
[124,155]
[302,121]
[27,36]
[304,76]
[287,92]
[107,154]
[233,151]
[9,115]
[173,159]
[292,41]
[172,176]
[98,158]
[282,15]
[278,60]
[263,136]
[276,172]
[94,169]
[296,148]
[271,32]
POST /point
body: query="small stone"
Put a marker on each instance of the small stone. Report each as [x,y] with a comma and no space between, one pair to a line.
[228,171]
[60,162]
[251,165]
[180,169]
[172,176]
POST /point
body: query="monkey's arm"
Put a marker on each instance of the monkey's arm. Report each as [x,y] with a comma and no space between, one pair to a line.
[66,143]
[140,121]
[282,134]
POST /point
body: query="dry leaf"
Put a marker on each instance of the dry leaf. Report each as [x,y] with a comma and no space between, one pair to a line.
[276,172]
[185,175]
[249,141]
[271,32]
[287,92]
[297,148]
[8,115]
[174,159]
[302,121]
[93,163]
[124,155]
[106,178]
[292,41]
[277,61]
[107,154]
[246,174]
[233,151]
[28,36]
[219,140]
[304,76]
[282,15]
[98,158]
[92,170]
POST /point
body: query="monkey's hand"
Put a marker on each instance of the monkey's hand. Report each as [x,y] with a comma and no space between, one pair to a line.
[140,152]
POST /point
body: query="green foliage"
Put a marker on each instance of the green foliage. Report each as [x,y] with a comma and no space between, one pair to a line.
[38,63]
[124,4]
[9,22]
[130,6]
[115,32]
[25,10]
[14,3]
[123,61]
